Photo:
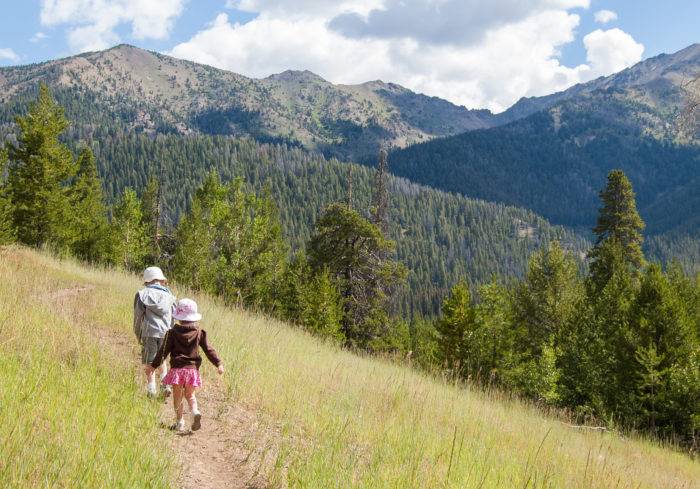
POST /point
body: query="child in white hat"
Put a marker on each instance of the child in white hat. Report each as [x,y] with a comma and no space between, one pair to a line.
[182,343]
[153,306]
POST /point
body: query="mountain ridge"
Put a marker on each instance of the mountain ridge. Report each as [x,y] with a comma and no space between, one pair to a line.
[632,77]
[348,121]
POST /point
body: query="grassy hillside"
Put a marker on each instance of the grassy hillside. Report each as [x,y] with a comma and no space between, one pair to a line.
[343,420]
[72,413]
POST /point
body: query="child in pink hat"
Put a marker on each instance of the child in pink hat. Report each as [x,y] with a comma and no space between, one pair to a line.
[182,343]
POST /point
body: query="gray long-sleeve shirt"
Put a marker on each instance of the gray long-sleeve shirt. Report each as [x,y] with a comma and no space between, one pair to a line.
[153,312]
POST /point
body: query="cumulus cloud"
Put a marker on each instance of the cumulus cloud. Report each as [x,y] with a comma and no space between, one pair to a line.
[92,23]
[605,16]
[445,21]
[7,54]
[305,8]
[510,59]
[610,51]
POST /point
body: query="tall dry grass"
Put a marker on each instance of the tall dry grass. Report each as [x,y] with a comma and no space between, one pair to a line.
[70,413]
[348,421]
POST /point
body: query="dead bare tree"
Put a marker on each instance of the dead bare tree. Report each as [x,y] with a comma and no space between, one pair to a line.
[689,118]
[380,204]
[348,196]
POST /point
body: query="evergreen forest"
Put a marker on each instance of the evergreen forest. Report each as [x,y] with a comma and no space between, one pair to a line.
[366,260]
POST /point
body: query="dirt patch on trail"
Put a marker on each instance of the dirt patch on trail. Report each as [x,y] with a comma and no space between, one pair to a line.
[233,449]
[60,294]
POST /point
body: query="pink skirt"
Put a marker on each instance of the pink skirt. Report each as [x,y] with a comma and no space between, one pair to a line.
[182,376]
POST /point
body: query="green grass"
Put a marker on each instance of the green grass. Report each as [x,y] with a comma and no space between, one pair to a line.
[71,413]
[342,420]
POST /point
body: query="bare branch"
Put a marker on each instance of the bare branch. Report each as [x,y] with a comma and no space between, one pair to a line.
[689,118]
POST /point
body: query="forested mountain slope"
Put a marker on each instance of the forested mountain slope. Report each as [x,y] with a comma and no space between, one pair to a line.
[571,147]
[144,114]
[555,160]
[440,237]
[157,93]
[621,121]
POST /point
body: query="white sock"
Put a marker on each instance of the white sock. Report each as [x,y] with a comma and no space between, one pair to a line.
[193,407]
[151,387]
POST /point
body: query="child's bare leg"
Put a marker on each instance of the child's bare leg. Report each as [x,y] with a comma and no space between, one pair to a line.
[177,401]
[192,401]
[150,380]
[191,398]
[162,372]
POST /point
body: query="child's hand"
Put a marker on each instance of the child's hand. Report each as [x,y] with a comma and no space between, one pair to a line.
[220,369]
[149,370]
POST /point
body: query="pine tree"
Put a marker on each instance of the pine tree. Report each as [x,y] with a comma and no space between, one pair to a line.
[295,275]
[666,348]
[491,346]
[196,254]
[380,197]
[40,170]
[320,306]
[599,369]
[457,321]
[602,361]
[7,230]
[652,377]
[92,240]
[352,249]
[193,261]
[230,244]
[545,301]
[129,240]
[151,215]
[348,194]
[619,222]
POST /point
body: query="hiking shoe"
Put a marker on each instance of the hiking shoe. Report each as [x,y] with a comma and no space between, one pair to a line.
[179,426]
[197,421]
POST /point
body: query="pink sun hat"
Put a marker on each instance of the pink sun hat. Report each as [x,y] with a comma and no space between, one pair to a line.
[186,310]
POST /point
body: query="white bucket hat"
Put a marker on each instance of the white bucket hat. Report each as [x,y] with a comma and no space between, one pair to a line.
[186,310]
[153,273]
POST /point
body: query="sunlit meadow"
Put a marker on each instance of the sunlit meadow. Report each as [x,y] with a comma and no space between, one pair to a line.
[73,415]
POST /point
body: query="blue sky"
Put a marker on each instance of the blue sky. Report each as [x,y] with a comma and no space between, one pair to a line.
[472,52]
[663,26]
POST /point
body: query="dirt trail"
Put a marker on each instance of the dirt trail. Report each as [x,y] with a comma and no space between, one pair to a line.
[231,450]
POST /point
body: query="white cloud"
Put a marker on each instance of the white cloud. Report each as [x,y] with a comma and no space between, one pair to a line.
[509,60]
[7,54]
[39,36]
[605,16]
[610,51]
[92,23]
[305,8]
[444,21]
